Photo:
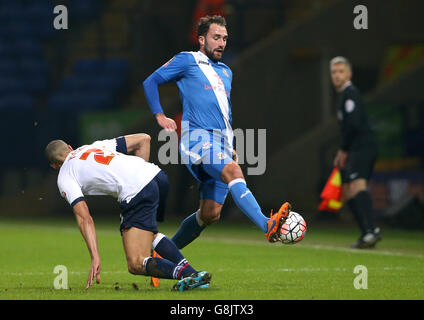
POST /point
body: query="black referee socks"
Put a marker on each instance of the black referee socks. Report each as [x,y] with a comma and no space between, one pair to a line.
[361,207]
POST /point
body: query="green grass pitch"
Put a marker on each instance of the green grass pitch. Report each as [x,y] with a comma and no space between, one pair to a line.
[244,266]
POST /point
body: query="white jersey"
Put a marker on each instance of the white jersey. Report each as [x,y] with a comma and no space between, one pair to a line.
[98,169]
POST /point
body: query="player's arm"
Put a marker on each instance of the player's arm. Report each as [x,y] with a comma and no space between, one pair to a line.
[351,121]
[151,91]
[86,225]
[173,70]
[349,128]
[138,144]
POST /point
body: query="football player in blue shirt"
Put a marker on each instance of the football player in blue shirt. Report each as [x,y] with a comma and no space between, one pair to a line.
[206,145]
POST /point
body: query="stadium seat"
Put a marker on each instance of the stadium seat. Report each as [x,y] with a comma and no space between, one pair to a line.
[92,85]
[8,67]
[35,84]
[28,47]
[11,84]
[62,101]
[116,65]
[19,29]
[7,50]
[88,66]
[83,9]
[16,101]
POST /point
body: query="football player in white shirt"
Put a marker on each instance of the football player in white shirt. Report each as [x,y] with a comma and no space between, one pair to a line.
[120,168]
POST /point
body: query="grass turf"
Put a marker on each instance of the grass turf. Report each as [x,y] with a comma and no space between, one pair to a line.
[244,266]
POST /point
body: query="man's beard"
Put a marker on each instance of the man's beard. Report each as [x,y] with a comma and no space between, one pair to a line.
[210,54]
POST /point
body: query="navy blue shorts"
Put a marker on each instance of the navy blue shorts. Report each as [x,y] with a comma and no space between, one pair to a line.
[147,207]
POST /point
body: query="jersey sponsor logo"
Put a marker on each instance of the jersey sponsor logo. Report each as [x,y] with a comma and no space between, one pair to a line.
[220,87]
[349,105]
[203,62]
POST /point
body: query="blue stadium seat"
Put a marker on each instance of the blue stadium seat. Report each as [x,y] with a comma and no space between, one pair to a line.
[88,66]
[33,66]
[109,83]
[35,84]
[92,85]
[40,14]
[11,84]
[28,47]
[62,101]
[8,67]
[16,101]
[18,29]
[80,101]
[116,65]
[72,83]
[9,10]
[6,50]
[96,100]
[83,9]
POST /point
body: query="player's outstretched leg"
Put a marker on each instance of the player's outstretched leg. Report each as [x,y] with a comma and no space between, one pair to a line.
[247,203]
[190,229]
[199,279]
[245,200]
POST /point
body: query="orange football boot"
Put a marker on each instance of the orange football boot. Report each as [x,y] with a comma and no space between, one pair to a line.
[275,222]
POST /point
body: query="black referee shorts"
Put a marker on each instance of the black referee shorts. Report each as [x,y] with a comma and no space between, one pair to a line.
[360,164]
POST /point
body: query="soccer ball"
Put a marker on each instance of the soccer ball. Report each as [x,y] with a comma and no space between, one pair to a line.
[293,229]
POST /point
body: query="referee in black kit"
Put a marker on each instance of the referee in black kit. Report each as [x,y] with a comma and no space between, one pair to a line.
[357,153]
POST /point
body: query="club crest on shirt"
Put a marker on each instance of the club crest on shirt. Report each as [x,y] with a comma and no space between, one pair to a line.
[221,155]
[349,105]
[206,145]
[225,73]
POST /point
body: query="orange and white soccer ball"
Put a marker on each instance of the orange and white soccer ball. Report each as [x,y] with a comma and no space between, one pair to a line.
[293,229]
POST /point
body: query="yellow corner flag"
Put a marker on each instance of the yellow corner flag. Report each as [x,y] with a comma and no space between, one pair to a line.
[332,192]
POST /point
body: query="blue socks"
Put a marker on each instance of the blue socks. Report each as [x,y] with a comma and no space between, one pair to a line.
[172,265]
[191,227]
[245,200]
[189,230]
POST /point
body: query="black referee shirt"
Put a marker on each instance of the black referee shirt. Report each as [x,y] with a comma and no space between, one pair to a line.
[356,132]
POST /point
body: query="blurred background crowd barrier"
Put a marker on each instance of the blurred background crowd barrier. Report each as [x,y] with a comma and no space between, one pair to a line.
[84,83]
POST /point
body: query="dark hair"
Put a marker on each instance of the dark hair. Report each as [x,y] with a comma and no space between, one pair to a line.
[205,22]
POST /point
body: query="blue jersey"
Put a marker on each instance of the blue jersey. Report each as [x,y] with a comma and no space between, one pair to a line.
[205,88]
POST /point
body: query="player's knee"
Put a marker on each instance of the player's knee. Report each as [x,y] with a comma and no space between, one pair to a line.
[143,138]
[210,215]
[231,171]
[135,266]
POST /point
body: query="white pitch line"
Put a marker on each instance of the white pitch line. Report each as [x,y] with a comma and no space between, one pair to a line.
[317,246]
[107,232]
[305,269]
[51,273]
